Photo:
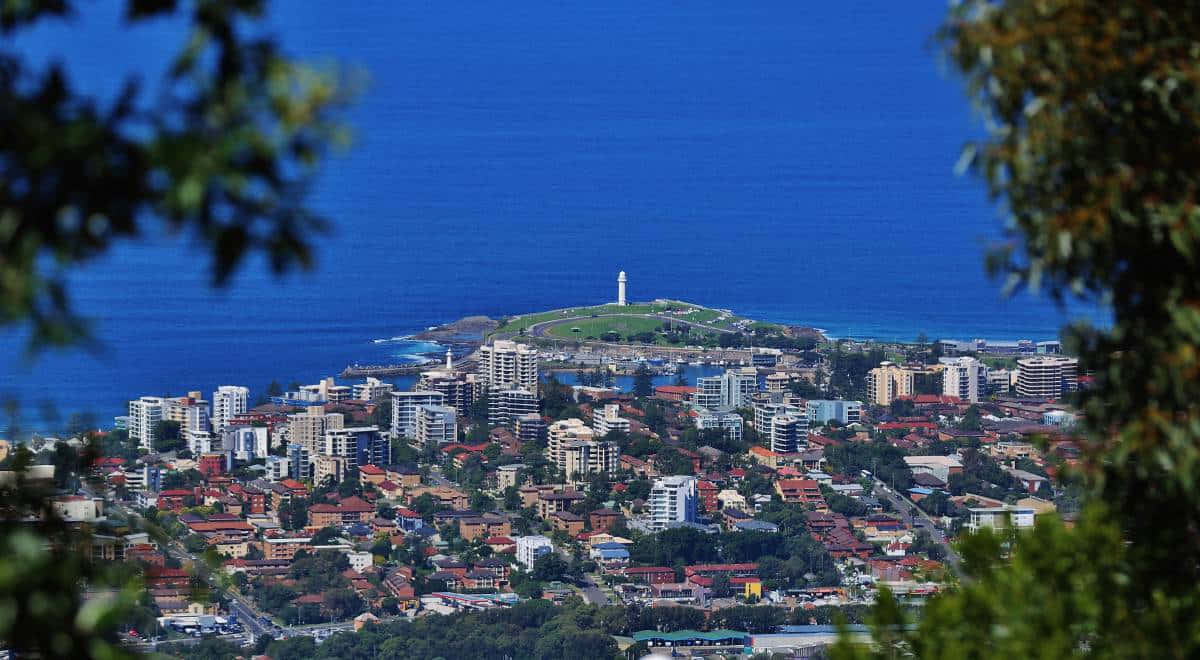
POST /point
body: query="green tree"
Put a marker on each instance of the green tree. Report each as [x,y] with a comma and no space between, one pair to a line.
[643,383]
[167,436]
[1094,113]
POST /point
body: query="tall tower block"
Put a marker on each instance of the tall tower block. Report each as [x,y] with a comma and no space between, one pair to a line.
[621,289]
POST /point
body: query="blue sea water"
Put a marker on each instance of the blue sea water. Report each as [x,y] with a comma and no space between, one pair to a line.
[791,161]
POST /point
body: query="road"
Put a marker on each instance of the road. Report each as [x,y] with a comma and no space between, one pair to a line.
[911,511]
[539,329]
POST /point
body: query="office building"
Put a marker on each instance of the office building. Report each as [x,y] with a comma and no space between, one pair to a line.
[359,445]
[1048,377]
[530,548]
[372,390]
[144,415]
[726,420]
[887,382]
[308,428]
[672,500]
[228,401]
[436,425]
[505,406]
[507,365]
[823,411]
[608,419]
[404,410]
[964,377]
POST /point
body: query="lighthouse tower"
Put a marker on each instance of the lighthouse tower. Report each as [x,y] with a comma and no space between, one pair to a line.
[621,289]
[449,360]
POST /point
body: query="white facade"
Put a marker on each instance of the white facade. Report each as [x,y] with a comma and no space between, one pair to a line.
[325,391]
[733,389]
[672,499]
[964,377]
[621,279]
[144,414]
[529,548]
[278,468]
[728,421]
[248,442]
[228,401]
[1047,377]
[372,390]
[789,433]
[609,419]
[823,411]
[560,434]
[507,365]
[505,406]
[436,425]
[404,410]
[1000,517]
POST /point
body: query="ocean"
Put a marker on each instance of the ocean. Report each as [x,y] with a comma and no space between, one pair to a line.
[790,161]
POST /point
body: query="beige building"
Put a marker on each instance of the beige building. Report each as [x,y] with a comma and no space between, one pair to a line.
[563,432]
[887,382]
[329,466]
[585,457]
[308,428]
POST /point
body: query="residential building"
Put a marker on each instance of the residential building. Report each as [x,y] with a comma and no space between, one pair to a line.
[404,410]
[359,445]
[228,401]
[505,406]
[672,500]
[459,391]
[308,428]
[788,433]
[999,380]
[247,442]
[733,389]
[191,412]
[299,461]
[507,365]
[587,457]
[939,466]
[1046,377]
[563,432]
[607,419]
[1000,517]
[328,467]
[887,382]
[823,411]
[144,415]
[436,425]
[964,377]
[530,548]
[326,391]
[530,427]
[278,468]
[507,475]
[727,420]
[372,390]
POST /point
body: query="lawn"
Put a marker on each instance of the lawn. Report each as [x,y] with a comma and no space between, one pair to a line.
[697,314]
[597,327]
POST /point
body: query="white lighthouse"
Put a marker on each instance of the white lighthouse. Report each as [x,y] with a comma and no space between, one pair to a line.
[621,289]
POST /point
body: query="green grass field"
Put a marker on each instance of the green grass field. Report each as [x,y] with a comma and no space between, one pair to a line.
[696,314]
[597,327]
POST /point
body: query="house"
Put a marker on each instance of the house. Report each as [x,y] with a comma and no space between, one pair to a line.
[371,474]
[730,498]
[939,466]
[1030,481]
[403,475]
[800,491]
[610,555]
[479,579]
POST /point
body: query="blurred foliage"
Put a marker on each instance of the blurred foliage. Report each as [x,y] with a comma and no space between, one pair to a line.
[1094,148]
[223,151]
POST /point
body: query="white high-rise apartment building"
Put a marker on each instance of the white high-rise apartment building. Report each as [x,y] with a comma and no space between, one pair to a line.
[404,410]
[436,425]
[308,428]
[247,442]
[585,457]
[727,420]
[789,433]
[192,414]
[506,406]
[964,377]
[530,548]
[609,419]
[372,390]
[228,402]
[1047,377]
[144,414]
[507,365]
[672,499]
[733,389]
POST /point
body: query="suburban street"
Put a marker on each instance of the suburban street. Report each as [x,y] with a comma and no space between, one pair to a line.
[912,512]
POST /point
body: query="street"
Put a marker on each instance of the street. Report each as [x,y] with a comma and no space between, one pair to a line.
[909,512]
